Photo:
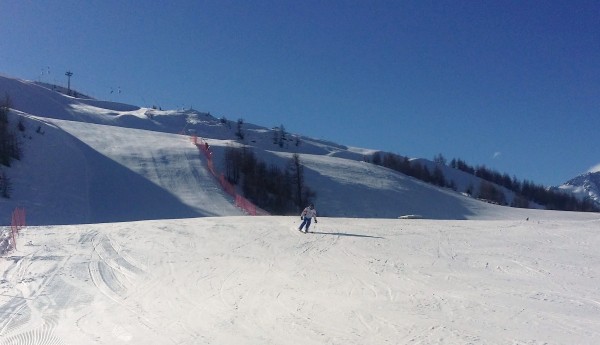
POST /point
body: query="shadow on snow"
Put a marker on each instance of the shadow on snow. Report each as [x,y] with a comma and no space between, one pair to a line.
[343,234]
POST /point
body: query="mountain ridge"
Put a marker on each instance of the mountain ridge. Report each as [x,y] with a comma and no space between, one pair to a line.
[586,185]
[146,145]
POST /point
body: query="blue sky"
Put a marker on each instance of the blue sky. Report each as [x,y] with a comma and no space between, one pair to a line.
[513,85]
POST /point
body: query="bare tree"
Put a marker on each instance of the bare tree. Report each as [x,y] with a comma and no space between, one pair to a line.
[297,175]
[302,193]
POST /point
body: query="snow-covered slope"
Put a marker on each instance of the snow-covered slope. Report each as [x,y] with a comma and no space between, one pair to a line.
[256,280]
[525,277]
[90,161]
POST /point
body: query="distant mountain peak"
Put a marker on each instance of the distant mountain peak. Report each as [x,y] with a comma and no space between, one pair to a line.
[594,169]
[585,185]
[589,178]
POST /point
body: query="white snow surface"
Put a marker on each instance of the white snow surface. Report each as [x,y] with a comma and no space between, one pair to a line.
[257,280]
[131,241]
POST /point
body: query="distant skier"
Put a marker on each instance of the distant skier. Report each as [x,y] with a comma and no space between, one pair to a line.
[307,215]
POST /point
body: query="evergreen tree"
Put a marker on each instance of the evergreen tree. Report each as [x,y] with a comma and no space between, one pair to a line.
[438,177]
[376,158]
[487,191]
[238,132]
[5,185]
[439,159]
[9,143]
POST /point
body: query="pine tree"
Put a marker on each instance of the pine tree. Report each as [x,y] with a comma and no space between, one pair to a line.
[297,174]
[238,131]
[5,185]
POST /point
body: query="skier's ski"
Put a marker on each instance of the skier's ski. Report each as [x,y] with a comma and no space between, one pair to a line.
[301,231]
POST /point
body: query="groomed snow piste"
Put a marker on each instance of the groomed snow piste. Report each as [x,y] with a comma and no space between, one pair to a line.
[256,280]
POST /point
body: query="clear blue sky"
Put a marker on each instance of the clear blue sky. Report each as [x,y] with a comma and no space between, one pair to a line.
[513,85]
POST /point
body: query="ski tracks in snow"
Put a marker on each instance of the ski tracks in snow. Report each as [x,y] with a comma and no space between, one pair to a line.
[119,276]
[252,280]
[30,310]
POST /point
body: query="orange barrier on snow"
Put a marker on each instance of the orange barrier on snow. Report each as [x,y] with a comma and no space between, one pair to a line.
[16,224]
[227,186]
[240,201]
[249,207]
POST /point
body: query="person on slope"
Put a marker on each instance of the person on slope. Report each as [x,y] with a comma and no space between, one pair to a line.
[307,215]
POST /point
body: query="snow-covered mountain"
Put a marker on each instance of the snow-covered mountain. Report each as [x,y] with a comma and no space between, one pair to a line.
[81,153]
[584,186]
[512,277]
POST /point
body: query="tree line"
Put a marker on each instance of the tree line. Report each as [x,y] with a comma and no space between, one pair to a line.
[278,191]
[10,147]
[415,169]
[527,190]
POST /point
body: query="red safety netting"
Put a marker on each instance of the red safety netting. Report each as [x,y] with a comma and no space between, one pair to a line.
[240,201]
[16,224]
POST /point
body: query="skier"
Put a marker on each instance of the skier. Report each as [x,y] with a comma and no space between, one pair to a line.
[307,215]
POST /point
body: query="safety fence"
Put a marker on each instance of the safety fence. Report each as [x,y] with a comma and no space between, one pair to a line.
[240,201]
[8,240]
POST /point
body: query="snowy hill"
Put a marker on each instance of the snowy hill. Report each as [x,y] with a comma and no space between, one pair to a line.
[90,161]
[584,186]
[136,243]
